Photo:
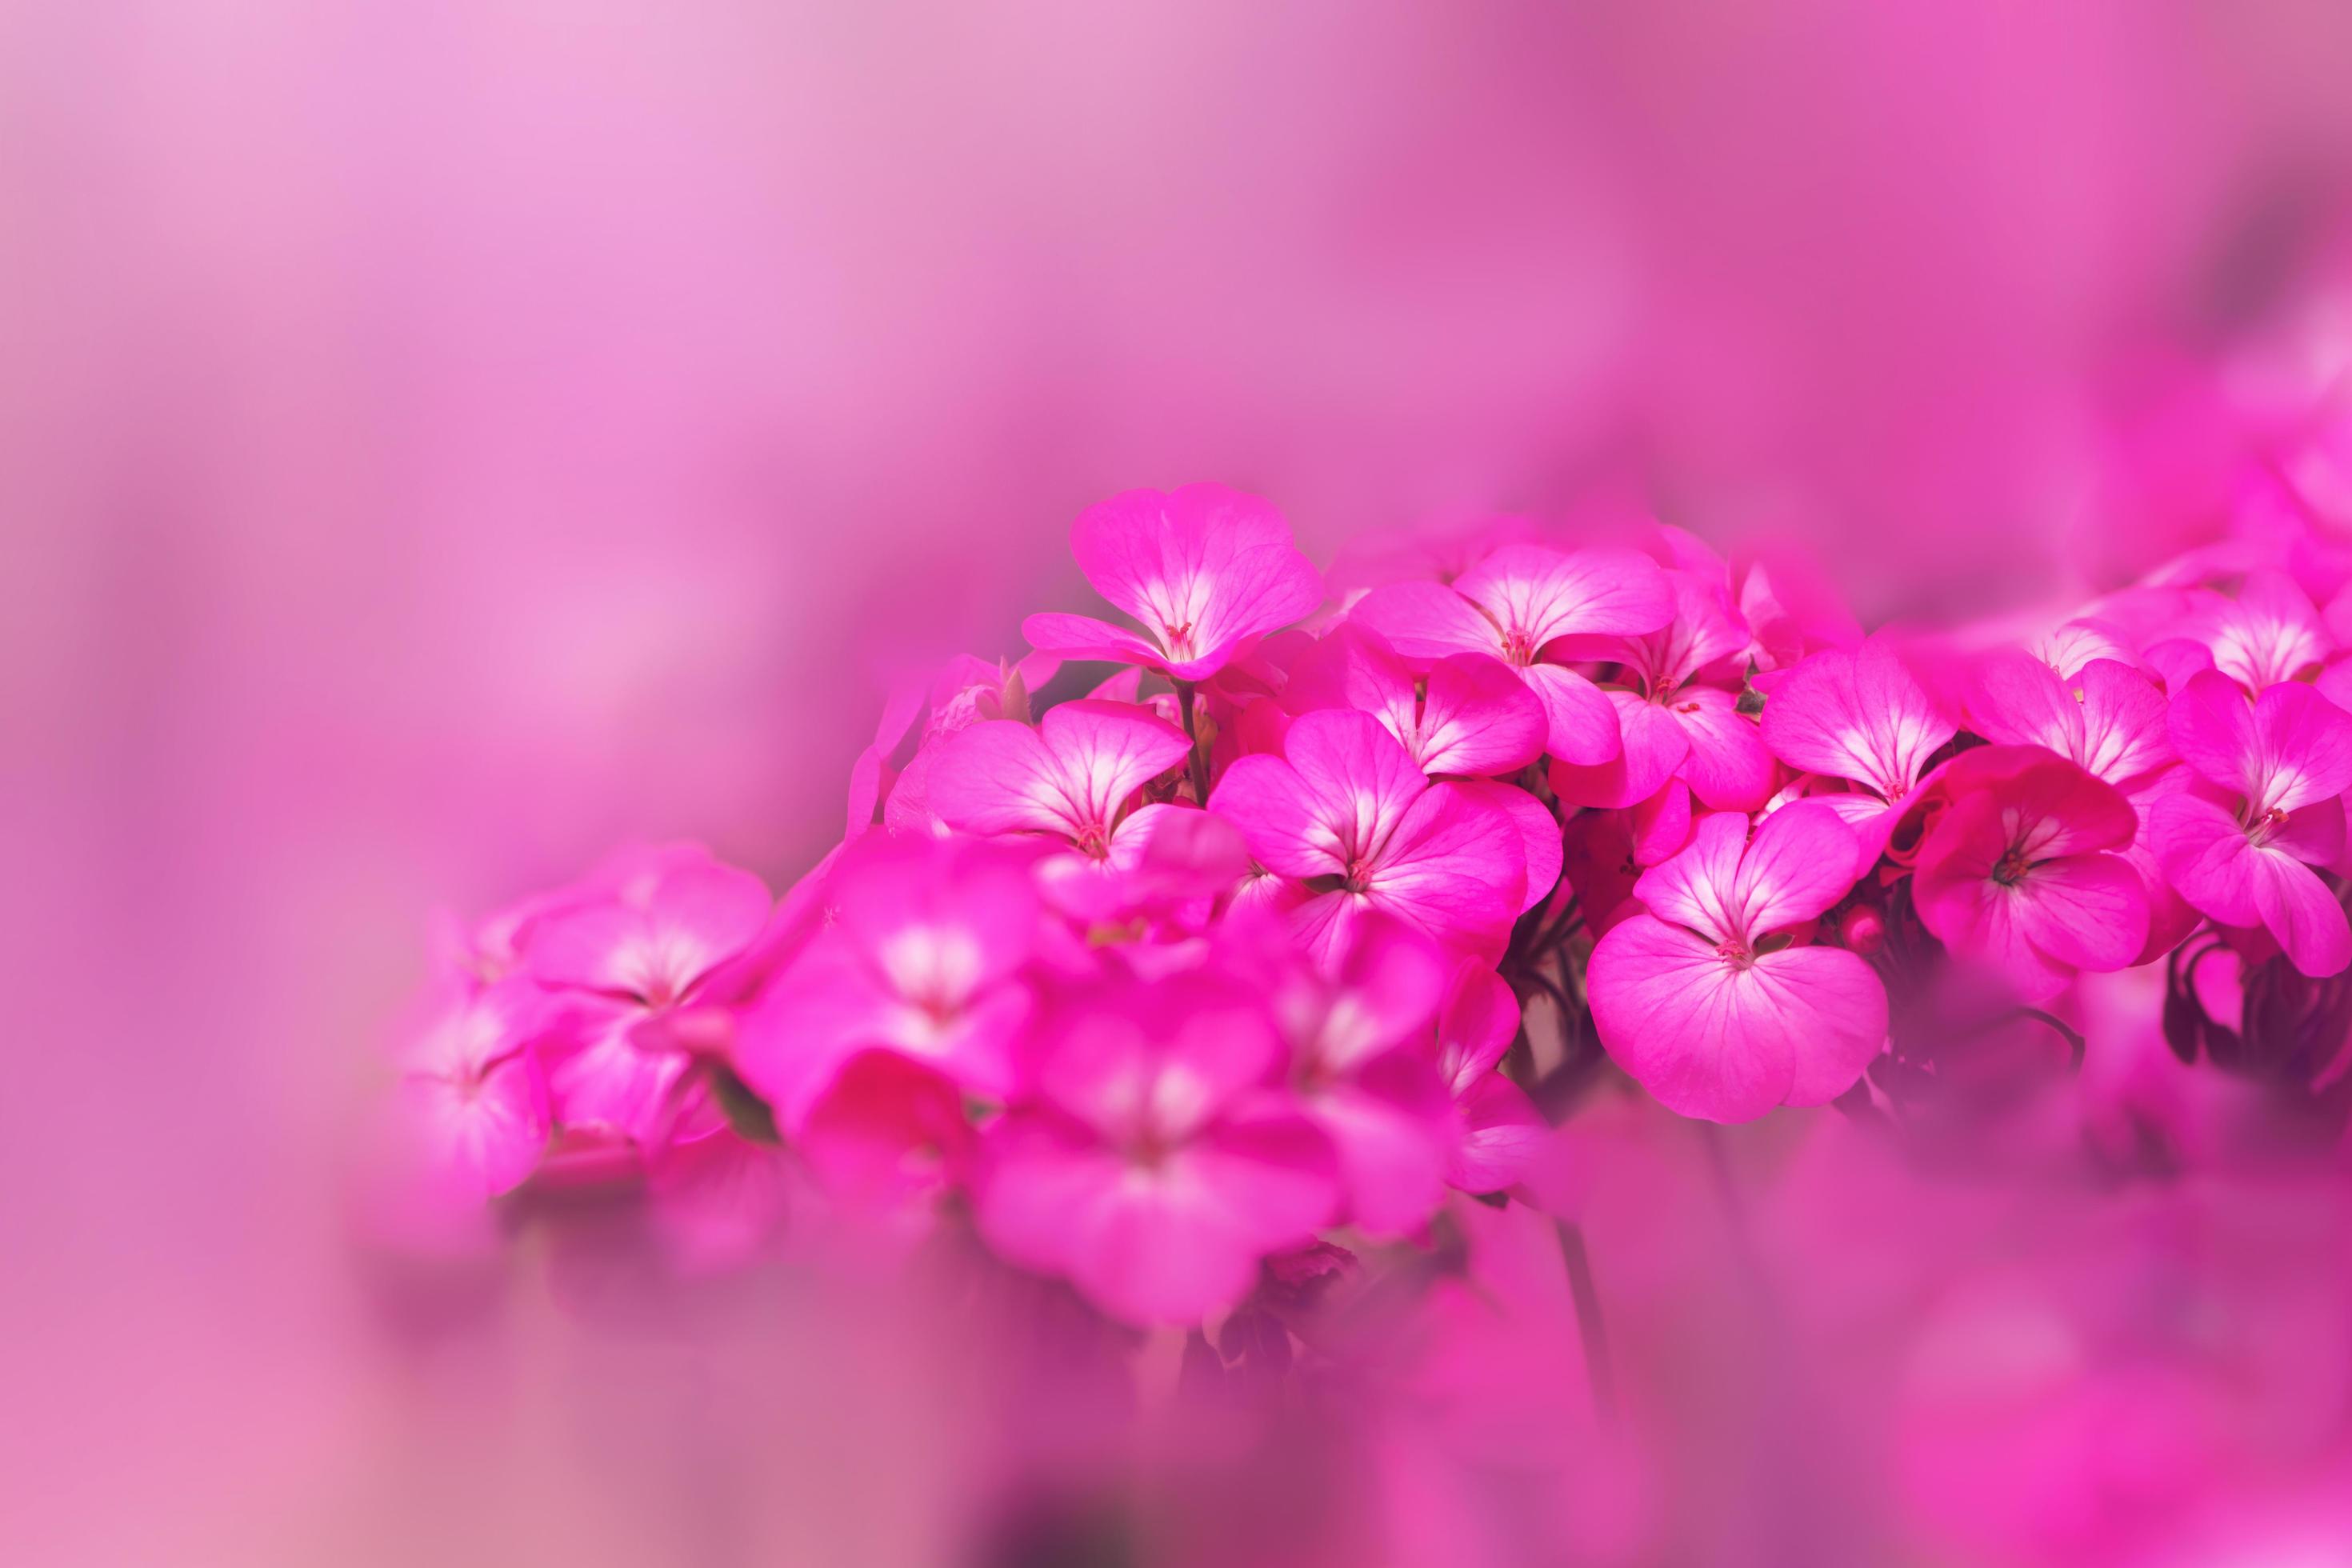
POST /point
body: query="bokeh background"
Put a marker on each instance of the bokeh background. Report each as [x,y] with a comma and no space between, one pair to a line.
[438,440]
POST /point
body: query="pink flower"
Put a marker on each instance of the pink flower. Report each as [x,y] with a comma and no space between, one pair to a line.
[1859,715]
[1499,1131]
[473,1096]
[1345,811]
[1362,1061]
[1205,569]
[2271,632]
[1704,1001]
[1515,605]
[2106,718]
[1073,779]
[923,958]
[891,778]
[1155,1167]
[666,925]
[1468,716]
[2241,845]
[1673,725]
[2018,869]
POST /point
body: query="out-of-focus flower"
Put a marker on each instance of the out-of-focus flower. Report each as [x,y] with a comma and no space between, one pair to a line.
[923,957]
[473,1093]
[1155,1165]
[1706,1002]
[665,924]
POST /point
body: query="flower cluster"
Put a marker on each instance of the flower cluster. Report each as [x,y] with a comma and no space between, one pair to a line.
[1315,907]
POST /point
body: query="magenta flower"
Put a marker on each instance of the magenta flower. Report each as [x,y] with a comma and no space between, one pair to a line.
[923,958]
[664,928]
[1345,811]
[1469,716]
[1515,605]
[473,1096]
[1155,1167]
[1207,570]
[1706,1000]
[1363,1062]
[1674,723]
[1859,715]
[2240,846]
[1498,1132]
[1073,778]
[2270,633]
[2109,720]
[2020,870]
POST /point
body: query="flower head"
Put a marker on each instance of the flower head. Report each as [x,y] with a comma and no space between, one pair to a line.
[1207,570]
[1708,1003]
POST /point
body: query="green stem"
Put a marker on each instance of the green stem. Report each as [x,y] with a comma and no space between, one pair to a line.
[1196,758]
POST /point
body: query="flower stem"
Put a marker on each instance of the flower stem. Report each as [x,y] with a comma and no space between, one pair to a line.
[1589,1324]
[1197,760]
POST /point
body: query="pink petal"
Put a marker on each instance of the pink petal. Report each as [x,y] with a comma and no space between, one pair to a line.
[1539,834]
[481,1136]
[2205,856]
[1202,567]
[1353,667]
[1107,751]
[1653,746]
[999,777]
[1503,1135]
[1279,816]
[1858,715]
[1579,719]
[1698,889]
[1480,719]
[2089,911]
[1391,1131]
[1083,636]
[2212,725]
[1476,1027]
[1549,594]
[1802,860]
[2306,747]
[609,1083]
[1843,992]
[1706,1040]
[2300,910]
[1729,767]
[1426,621]
[1455,867]
[2124,722]
[1361,780]
[717,1200]
[2015,698]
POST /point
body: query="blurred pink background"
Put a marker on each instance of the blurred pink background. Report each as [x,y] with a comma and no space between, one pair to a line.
[437,441]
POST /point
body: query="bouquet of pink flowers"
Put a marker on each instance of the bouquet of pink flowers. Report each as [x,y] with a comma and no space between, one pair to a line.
[1267,966]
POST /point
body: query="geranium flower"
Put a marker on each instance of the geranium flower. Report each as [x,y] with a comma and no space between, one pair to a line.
[1673,723]
[1515,605]
[1706,1000]
[1859,715]
[2018,869]
[473,1096]
[1499,1132]
[923,958]
[1155,1167]
[1346,811]
[1363,1064]
[1468,716]
[2106,718]
[2240,846]
[2270,633]
[666,923]
[1073,779]
[1207,570]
